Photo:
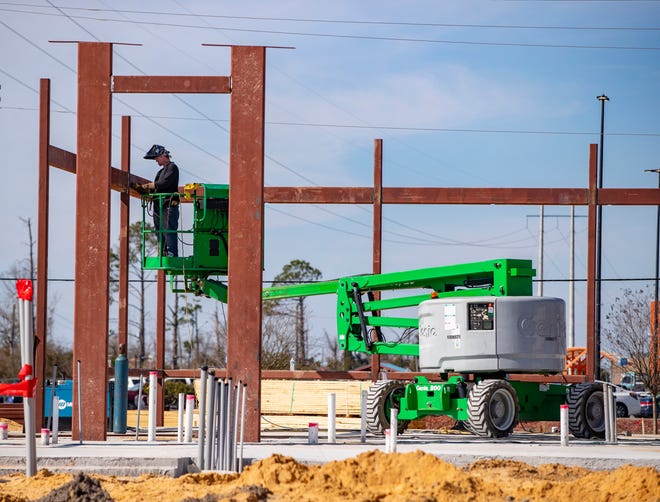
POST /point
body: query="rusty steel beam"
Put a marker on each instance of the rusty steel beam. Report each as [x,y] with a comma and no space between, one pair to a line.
[592,222]
[377,243]
[92,258]
[486,196]
[318,195]
[246,209]
[629,196]
[41,331]
[170,84]
[161,313]
[119,179]
[124,222]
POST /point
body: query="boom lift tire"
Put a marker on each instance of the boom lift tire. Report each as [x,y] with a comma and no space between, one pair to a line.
[586,410]
[381,398]
[492,408]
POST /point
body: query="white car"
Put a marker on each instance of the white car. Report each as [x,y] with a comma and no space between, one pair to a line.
[627,403]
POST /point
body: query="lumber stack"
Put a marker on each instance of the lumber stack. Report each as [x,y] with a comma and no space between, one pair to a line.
[310,397]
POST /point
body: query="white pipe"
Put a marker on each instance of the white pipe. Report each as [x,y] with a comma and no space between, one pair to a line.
[240,458]
[563,424]
[222,424]
[202,418]
[394,426]
[363,417]
[190,409]
[332,418]
[56,418]
[180,408]
[234,454]
[388,443]
[228,447]
[80,410]
[153,383]
[210,414]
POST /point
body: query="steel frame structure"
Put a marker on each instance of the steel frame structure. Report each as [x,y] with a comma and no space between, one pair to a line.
[95,178]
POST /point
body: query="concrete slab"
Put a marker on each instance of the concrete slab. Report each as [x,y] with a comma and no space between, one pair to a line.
[123,456]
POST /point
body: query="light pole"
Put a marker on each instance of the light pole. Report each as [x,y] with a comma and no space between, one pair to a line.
[599,239]
[654,335]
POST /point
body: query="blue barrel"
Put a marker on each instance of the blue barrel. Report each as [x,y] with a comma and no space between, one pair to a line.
[121,395]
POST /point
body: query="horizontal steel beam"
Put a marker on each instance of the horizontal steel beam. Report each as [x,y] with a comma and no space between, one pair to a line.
[119,180]
[318,195]
[170,84]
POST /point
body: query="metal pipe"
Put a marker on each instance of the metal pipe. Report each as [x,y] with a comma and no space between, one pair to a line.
[151,428]
[180,409]
[202,413]
[363,416]
[139,408]
[394,426]
[332,418]
[234,444]
[240,461]
[190,410]
[53,384]
[210,415]
[220,456]
[80,431]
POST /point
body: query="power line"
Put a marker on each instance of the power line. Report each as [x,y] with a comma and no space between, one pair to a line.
[356,22]
[361,37]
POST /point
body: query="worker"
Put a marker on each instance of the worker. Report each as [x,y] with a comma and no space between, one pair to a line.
[165,182]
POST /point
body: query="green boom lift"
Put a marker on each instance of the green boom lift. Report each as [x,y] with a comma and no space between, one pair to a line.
[478,326]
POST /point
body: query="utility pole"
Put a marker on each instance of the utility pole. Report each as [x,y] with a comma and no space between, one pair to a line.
[599,239]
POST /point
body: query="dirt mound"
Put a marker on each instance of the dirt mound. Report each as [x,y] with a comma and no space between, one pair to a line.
[82,488]
[371,476]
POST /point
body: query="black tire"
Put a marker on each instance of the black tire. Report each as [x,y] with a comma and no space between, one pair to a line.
[621,410]
[586,411]
[492,408]
[381,398]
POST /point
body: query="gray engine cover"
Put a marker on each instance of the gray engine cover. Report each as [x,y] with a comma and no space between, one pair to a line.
[515,334]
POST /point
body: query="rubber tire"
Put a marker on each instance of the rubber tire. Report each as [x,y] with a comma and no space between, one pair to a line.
[621,411]
[492,408]
[586,411]
[381,397]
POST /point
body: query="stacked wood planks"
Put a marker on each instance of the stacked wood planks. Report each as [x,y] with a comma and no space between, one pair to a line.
[310,397]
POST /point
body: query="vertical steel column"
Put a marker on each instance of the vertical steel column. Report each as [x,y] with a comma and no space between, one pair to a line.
[159,363]
[42,246]
[378,233]
[124,222]
[246,181]
[92,257]
[592,214]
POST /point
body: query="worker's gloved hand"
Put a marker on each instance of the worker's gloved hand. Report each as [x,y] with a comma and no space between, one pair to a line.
[137,187]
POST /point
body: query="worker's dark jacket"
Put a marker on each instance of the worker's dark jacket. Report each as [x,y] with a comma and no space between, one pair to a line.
[167,181]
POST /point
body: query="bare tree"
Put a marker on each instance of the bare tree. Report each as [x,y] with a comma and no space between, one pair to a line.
[139,279]
[294,272]
[628,332]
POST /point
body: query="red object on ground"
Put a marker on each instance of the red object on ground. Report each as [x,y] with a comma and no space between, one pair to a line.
[24,289]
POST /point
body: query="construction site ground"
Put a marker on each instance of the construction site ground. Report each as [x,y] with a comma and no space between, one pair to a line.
[430,464]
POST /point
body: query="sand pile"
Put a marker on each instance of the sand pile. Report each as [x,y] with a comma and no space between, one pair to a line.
[372,476]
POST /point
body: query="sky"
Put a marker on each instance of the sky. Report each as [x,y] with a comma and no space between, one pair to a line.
[463,94]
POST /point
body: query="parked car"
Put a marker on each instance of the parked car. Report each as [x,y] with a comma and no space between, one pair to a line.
[646,405]
[627,403]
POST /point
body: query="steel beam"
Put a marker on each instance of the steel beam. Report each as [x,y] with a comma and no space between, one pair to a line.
[246,200]
[377,235]
[92,259]
[124,222]
[592,222]
[41,331]
[161,313]
[170,84]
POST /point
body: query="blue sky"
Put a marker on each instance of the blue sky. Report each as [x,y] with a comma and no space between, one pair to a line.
[475,93]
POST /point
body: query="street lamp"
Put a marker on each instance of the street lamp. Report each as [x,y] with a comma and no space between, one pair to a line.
[654,335]
[599,239]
